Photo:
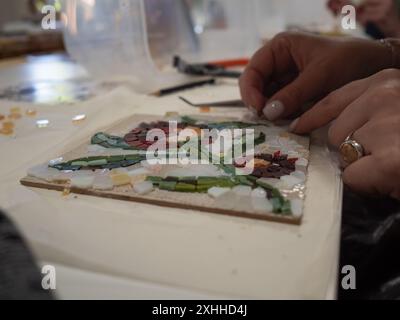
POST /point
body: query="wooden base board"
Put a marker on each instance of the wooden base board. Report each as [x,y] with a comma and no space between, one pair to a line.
[36,183]
[158,197]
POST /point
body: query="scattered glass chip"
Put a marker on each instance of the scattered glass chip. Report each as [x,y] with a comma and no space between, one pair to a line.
[55,162]
[15,110]
[79,118]
[66,192]
[8,125]
[15,116]
[31,112]
[6,131]
[44,123]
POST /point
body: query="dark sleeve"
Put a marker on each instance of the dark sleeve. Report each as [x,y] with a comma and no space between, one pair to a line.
[370,242]
[20,277]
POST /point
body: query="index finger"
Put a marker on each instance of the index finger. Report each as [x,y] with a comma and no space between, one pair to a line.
[254,77]
[252,89]
[273,60]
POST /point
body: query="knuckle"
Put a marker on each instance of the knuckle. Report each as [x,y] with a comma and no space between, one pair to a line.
[389,73]
[284,38]
[389,85]
[282,35]
[383,92]
[377,93]
[386,91]
[391,90]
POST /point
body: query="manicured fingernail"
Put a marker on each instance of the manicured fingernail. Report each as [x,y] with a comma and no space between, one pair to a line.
[273,110]
[293,125]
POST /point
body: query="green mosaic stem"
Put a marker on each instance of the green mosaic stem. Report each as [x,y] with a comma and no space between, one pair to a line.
[203,184]
[105,162]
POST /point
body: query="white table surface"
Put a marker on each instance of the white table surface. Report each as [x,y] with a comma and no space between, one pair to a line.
[116,249]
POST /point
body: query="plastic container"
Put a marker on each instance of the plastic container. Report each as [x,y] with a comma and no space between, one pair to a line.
[135,40]
[109,39]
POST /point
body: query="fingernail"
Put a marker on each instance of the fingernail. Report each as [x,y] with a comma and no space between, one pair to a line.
[273,110]
[293,125]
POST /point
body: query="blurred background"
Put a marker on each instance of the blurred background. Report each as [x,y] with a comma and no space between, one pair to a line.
[22,18]
[134,41]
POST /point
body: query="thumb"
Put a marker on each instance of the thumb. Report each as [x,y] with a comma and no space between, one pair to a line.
[287,101]
[329,108]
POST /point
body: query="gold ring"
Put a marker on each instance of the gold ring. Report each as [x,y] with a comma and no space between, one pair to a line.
[351,150]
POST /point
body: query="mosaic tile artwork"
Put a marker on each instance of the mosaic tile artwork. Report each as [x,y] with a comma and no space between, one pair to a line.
[115,164]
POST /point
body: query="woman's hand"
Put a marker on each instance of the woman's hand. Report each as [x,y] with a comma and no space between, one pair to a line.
[383,13]
[369,108]
[295,68]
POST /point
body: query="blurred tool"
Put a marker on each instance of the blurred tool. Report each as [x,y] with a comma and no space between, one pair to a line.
[219,104]
[242,62]
[181,87]
[217,69]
